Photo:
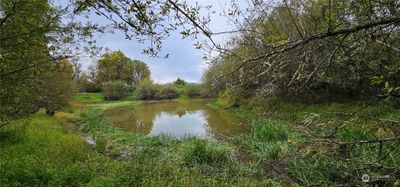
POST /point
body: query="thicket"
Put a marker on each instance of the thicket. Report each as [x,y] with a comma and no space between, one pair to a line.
[33,74]
[332,49]
[292,54]
[193,91]
[148,90]
[114,90]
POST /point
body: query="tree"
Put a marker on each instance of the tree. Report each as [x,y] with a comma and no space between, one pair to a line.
[55,89]
[303,47]
[116,66]
[32,40]
[179,81]
[23,56]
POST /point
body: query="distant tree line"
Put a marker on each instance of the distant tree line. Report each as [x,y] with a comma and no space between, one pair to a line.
[112,66]
[148,90]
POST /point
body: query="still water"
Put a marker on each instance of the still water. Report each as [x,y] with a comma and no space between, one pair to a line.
[177,119]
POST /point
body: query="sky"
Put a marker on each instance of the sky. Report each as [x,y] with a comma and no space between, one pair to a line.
[184,60]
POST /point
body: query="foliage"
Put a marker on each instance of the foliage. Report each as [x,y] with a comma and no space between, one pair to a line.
[18,96]
[92,123]
[116,66]
[147,89]
[312,161]
[33,39]
[167,93]
[193,91]
[148,22]
[114,90]
[229,98]
[179,81]
[85,98]
[87,84]
[310,48]
[56,88]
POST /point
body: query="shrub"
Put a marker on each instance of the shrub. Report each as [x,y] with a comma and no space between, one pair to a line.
[147,89]
[193,91]
[167,93]
[114,90]
[56,88]
[229,98]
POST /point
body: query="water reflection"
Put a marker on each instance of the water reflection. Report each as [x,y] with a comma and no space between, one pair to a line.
[177,119]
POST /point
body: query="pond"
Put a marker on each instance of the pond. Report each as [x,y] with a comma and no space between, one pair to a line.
[178,119]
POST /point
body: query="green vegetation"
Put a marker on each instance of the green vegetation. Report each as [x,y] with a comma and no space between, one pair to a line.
[113,74]
[148,90]
[25,70]
[114,90]
[289,141]
[116,66]
[317,82]
[193,91]
[279,150]
[86,98]
[201,152]
[179,82]
[47,151]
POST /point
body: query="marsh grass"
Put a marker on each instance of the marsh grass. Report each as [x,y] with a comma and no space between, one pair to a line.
[43,151]
[40,152]
[204,152]
[285,133]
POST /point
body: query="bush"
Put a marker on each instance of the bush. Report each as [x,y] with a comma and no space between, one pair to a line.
[147,89]
[114,90]
[167,93]
[193,91]
[230,98]
[56,88]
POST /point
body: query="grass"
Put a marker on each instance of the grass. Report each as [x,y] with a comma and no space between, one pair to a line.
[41,151]
[280,150]
[87,98]
[290,135]
[202,152]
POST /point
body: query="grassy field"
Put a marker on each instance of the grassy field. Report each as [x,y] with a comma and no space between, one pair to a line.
[52,151]
[282,149]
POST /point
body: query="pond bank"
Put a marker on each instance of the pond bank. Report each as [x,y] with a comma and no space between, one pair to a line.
[280,149]
[52,151]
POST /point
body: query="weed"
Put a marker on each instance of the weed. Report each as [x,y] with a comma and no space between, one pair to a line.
[203,152]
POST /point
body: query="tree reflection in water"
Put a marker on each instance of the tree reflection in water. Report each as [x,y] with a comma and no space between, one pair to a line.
[178,119]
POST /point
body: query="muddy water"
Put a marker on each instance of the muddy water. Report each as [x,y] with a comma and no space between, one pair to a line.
[178,119]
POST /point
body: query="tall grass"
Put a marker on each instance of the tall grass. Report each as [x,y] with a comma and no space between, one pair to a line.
[292,134]
[39,152]
[204,152]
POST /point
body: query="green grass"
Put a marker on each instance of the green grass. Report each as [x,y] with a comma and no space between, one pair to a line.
[40,151]
[203,152]
[290,135]
[86,98]
[280,149]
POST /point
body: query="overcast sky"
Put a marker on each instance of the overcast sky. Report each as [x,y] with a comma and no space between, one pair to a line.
[184,60]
